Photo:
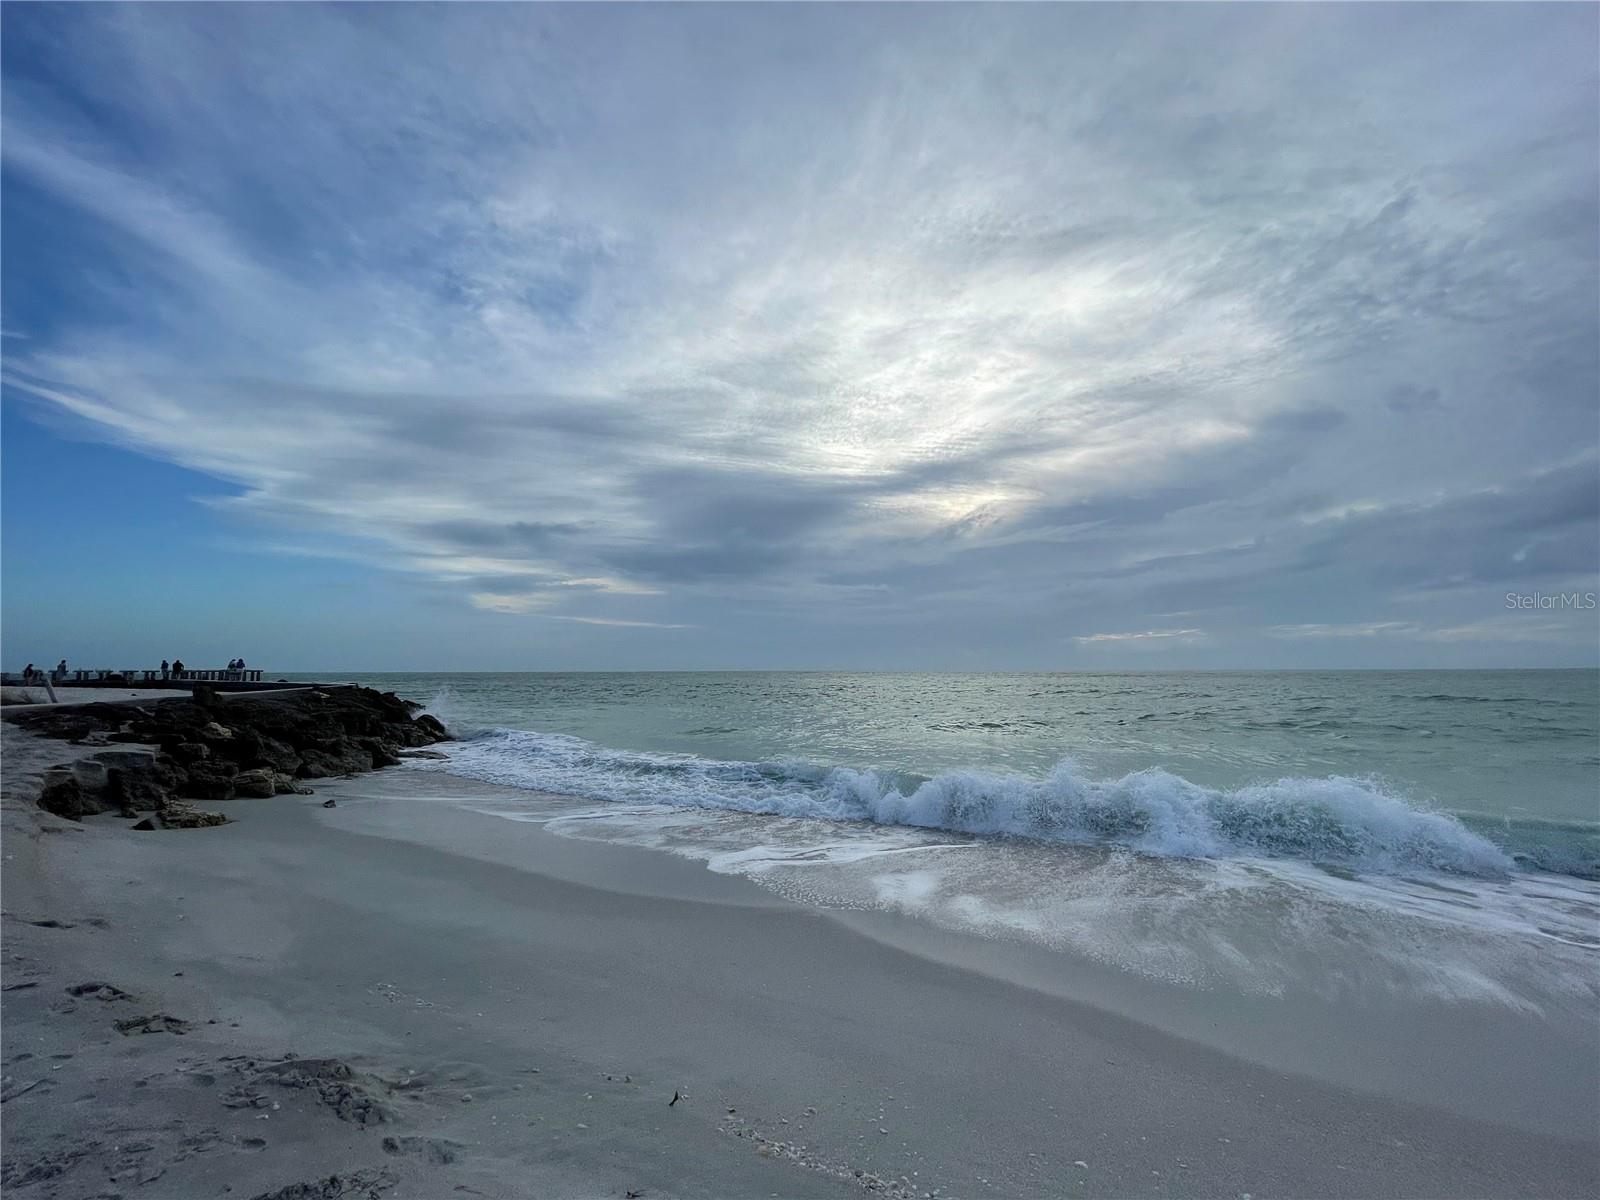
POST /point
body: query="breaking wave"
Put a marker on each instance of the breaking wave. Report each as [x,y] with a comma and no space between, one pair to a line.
[1354,823]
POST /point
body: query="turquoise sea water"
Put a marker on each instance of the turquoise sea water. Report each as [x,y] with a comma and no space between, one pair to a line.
[1321,765]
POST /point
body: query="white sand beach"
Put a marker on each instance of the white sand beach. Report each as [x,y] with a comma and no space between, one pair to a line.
[424,1002]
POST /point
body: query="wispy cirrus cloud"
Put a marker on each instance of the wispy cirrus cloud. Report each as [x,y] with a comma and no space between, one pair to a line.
[620,624]
[1147,635]
[1366,629]
[901,333]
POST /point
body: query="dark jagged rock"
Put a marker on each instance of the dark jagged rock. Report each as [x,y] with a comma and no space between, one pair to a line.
[72,729]
[384,754]
[208,782]
[334,757]
[206,697]
[216,748]
[257,781]
[63,795]
[133,790]
[278,756]
[239,745]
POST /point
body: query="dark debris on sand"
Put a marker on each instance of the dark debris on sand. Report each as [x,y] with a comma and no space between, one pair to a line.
[154,1023]
[334,1083]
[353,1185]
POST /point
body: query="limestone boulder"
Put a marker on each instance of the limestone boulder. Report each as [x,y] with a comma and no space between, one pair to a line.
[207,781]
[63,795]
[178,815]
[259,782]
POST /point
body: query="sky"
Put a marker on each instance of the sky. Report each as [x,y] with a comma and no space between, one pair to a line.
[673,337]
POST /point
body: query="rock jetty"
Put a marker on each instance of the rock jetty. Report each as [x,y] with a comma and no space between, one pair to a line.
[160,755]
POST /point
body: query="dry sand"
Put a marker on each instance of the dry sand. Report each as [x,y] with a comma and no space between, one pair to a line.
[479,1028]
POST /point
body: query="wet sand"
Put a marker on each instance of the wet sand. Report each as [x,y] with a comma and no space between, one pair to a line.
[478,1027]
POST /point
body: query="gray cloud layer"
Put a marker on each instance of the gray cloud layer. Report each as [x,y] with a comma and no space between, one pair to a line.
[931,336]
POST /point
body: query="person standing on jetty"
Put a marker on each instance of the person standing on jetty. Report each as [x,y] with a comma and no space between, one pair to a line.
[60,673]
[166,670]
[177,668]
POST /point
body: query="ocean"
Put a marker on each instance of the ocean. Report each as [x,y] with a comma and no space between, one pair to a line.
[1429,832]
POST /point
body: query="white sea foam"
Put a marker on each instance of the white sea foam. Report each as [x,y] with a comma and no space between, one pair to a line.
[1263,927]
[446,707]
[1148,874]
[1354,823]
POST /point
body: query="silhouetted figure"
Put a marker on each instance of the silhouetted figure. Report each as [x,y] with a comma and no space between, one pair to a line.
[166,669]
[177,668]
[60,672]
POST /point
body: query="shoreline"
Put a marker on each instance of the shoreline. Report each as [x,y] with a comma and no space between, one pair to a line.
[309,931]
[1393,1046]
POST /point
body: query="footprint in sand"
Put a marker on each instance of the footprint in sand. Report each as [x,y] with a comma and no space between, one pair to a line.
[153,1023]
[434,1150]
[99,991]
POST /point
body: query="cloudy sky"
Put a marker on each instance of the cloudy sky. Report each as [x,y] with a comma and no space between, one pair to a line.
[948,337]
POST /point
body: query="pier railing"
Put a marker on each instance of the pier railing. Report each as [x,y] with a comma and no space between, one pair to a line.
[132,675]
